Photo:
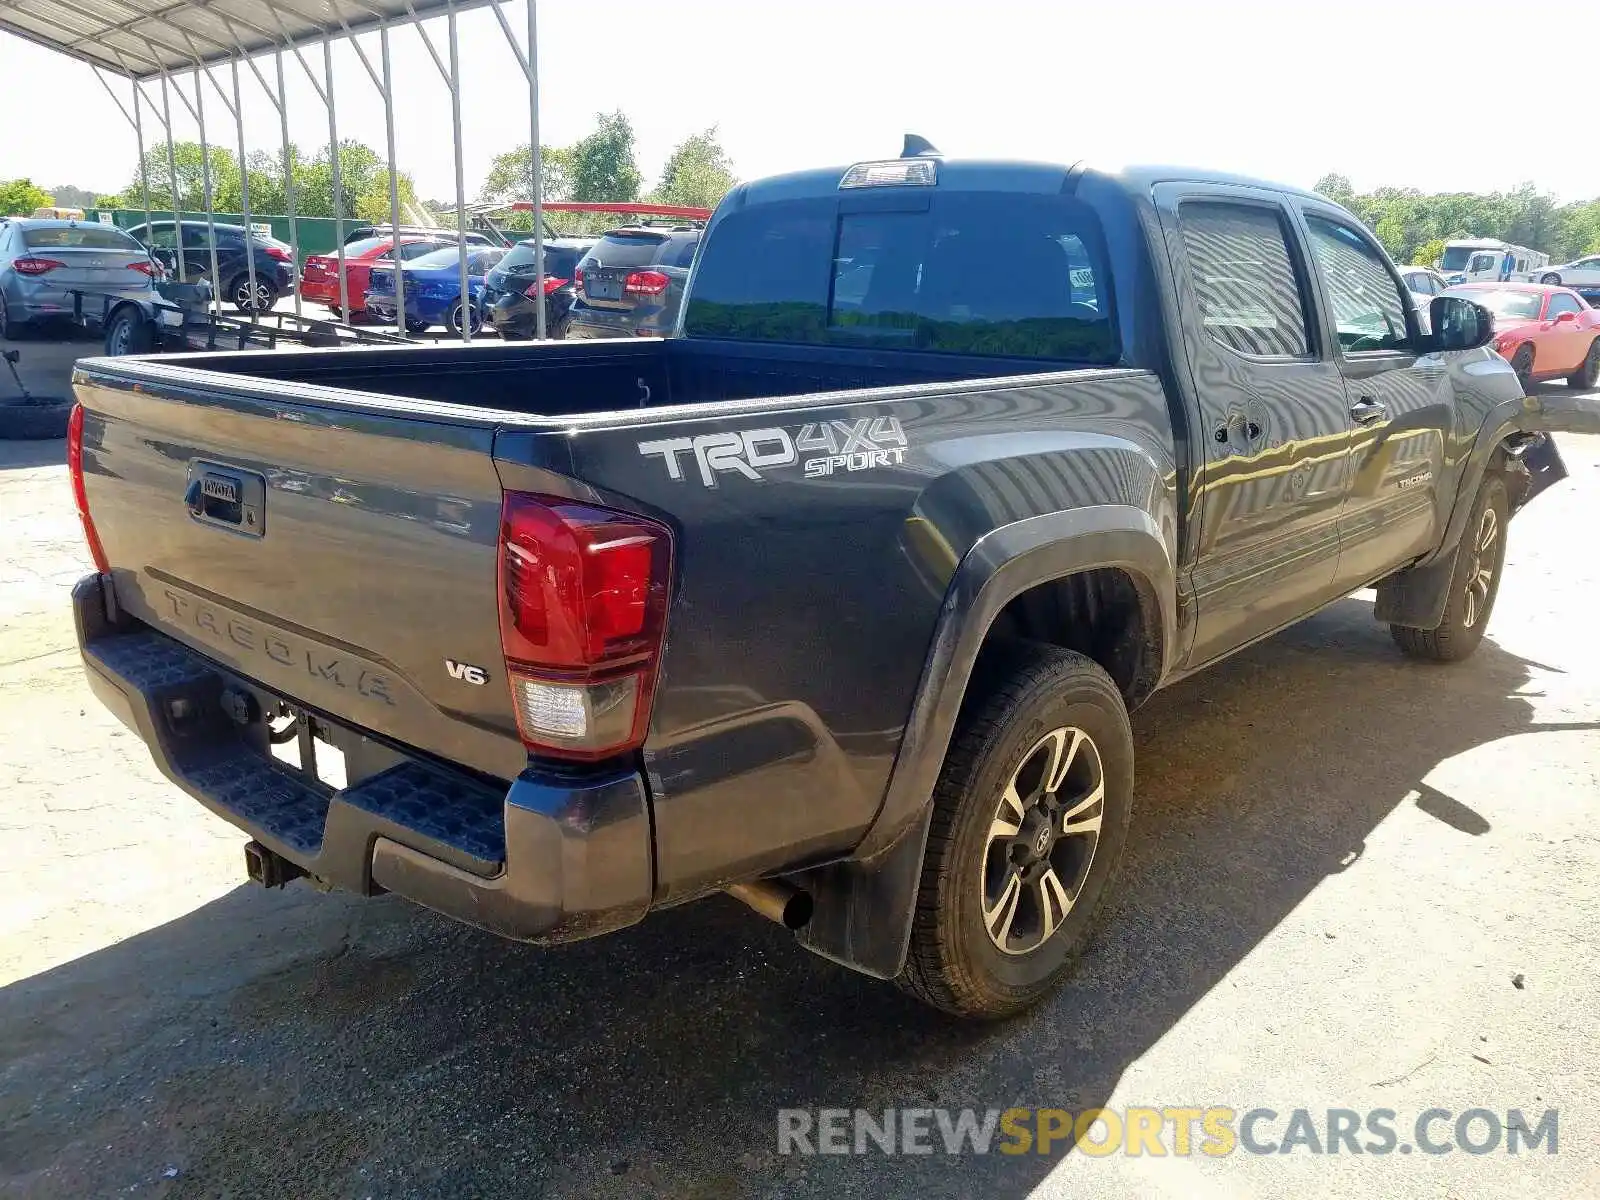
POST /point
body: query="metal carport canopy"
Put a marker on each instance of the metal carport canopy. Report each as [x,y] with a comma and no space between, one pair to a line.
[149,40]
[142,38]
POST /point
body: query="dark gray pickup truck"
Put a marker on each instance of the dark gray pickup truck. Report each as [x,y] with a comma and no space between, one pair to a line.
[838,599]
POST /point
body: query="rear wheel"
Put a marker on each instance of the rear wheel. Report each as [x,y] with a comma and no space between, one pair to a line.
[1029,820]
[246,301]
[1588,373]
[10,330]
[1522,364]
[129,333]
[474,316]
[1480,559]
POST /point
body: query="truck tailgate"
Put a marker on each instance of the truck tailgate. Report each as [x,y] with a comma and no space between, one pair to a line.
[338,553]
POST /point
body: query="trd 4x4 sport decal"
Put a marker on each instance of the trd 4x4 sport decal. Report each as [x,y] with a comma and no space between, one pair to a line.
[836,446]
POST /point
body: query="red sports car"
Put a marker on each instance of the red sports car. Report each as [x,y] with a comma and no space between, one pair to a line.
[319,282]
[1544,332]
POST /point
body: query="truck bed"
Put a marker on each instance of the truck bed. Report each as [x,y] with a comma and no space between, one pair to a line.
[560,379]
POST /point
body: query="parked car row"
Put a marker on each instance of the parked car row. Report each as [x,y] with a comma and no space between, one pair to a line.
[628,282]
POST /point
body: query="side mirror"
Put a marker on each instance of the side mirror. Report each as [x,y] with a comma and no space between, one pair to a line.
[1456,324]
[1566,316]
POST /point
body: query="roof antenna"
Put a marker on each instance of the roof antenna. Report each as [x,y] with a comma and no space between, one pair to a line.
[918,147]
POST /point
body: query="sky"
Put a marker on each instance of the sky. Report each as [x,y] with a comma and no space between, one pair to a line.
[1287,91]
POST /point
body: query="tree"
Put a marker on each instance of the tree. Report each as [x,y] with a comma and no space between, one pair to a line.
[21,197]
[67,196]
[1429,253]
[510,174]
[1413,225]
[698,172]
[183,185]
[602,166]
[1336,188]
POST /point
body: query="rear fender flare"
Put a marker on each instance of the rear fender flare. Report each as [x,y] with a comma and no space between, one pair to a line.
[863,908]
[1525,414]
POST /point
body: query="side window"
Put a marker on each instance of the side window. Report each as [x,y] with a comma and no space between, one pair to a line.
[1244,280]
[162,237]
[1368,311]
[417,249]
[193,237]
[1559,304]
[685,256]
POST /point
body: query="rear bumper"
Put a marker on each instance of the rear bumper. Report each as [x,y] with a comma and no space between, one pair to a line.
[544,860]
[326,291]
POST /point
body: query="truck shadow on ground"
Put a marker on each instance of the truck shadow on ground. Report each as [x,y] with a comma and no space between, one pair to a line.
[302,1045]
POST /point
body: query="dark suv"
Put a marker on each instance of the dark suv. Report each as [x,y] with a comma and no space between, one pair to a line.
[508,299]
[631,282]
[275,268]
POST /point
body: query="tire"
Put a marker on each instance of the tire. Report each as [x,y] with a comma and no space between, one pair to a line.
[1551,277]
[238,294]
[11,331]
[1522,364]
[1588,373]
[34,421]
[129,333]
[1034,702]
[416,327]
[452,319]
[1474,583]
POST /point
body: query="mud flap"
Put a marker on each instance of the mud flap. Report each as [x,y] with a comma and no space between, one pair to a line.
[862,918]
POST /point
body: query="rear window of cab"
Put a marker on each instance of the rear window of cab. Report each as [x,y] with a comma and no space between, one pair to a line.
[984,273]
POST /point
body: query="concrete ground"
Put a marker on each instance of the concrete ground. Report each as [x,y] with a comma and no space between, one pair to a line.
[1352,882]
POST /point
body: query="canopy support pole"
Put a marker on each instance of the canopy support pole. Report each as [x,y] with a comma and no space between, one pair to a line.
[452,77]
[137,122]
[197,110]
[530,68]
[338,189]
[383,85]
[172,179]
[394,185]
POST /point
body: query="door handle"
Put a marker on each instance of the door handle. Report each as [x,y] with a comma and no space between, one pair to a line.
[1367,410]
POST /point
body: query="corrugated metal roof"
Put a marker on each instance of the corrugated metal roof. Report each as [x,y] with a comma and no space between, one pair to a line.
[141,37]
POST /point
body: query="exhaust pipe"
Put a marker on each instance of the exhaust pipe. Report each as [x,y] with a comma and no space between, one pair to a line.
[780,902]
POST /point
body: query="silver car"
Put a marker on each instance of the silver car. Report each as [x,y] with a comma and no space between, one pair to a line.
[42,262]
[1424,283]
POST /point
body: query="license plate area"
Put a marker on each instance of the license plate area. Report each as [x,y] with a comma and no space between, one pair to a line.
[297,739]
[603,289]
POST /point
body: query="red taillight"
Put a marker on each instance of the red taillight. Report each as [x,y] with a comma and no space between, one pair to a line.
[146,267]
[80,498]
[583,600]
[31,265]
[550,285]
[645,283]
[279,253]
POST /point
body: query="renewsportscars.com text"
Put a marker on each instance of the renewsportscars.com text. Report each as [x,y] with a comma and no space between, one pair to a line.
[1214,1131]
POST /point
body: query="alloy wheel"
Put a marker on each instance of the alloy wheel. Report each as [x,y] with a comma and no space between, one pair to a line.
[1480,578]
[1042,840]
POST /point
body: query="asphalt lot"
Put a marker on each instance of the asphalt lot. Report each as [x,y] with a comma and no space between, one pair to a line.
[1340,863]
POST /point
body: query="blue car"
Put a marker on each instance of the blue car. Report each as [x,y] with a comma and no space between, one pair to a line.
[433,289]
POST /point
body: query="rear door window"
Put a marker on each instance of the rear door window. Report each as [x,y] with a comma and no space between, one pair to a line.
[1009,274]
[1249,296]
